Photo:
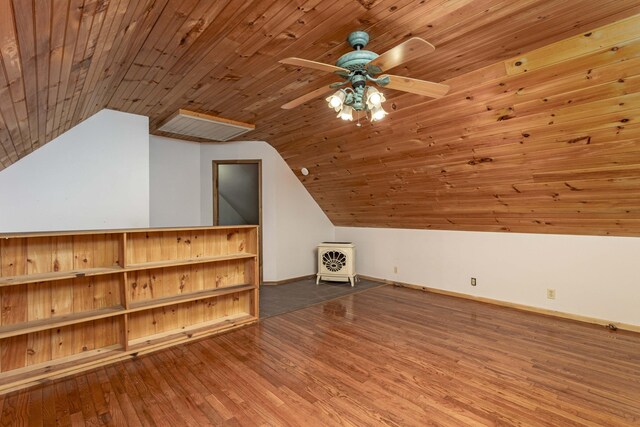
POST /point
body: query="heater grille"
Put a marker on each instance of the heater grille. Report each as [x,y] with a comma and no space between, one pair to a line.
[334,260]
[204,126]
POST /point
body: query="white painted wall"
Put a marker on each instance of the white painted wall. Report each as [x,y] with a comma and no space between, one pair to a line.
[94,176]
[593,276]
[174,174]
[293,223]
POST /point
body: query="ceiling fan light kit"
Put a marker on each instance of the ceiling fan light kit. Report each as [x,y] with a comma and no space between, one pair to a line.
[359,69]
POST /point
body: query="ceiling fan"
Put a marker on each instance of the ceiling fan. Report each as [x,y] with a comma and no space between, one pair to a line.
[360,68]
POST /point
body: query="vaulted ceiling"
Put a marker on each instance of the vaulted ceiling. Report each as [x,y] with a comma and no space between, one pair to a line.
[530,138]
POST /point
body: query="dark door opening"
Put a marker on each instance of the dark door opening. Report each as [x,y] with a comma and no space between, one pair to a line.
[237,194]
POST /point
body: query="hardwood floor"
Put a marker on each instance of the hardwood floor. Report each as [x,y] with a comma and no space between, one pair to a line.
[387,356]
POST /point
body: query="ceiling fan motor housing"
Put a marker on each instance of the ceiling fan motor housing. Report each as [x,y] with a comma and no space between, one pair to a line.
[359,58]
[358,39]
[356,60]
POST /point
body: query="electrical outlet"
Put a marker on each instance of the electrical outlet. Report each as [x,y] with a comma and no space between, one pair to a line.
[473,281]
[395,270]
[551,294]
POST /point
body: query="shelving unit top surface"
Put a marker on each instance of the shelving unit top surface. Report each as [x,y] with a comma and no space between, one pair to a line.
[119,231]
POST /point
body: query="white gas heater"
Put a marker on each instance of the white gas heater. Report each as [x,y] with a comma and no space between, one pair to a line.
[336,262]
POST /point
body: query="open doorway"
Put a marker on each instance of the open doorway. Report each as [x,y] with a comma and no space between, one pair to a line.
[237,194]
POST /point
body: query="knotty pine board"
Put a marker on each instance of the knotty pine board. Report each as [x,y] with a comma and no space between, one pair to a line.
[173,245]
[146,285]
[568,122]
[180,316]
[45,346]
[31,255]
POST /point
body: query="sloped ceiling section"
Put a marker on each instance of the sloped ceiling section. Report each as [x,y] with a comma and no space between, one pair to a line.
[547,141]
[543,146]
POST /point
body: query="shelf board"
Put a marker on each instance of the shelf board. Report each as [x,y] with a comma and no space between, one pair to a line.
[34,374]
[57,275]
[186,297]
[7,331]
[190,332]
[189,261]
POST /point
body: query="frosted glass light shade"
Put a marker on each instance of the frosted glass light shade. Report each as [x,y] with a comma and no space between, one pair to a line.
[375,98]
[336,100]
[377,114]
[346,113]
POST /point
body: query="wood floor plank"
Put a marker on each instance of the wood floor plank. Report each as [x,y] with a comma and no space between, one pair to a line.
[88,406]
[61,404]
[124,399]
[386,356]
[176,398]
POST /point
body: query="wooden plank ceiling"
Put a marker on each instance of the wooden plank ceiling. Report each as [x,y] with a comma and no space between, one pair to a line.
[530,139]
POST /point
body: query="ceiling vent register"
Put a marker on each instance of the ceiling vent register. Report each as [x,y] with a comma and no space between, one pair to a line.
[205,126]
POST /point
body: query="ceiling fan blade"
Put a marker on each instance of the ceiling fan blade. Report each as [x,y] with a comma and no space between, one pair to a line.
[307,97]
[406,51]
[420,87]
[298,62]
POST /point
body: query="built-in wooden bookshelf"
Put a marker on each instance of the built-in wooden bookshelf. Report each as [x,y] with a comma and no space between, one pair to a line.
[71,301]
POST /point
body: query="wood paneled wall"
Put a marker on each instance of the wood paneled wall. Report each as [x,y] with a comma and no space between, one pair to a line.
[547,141]
[461,162]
